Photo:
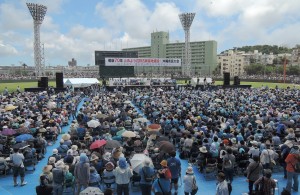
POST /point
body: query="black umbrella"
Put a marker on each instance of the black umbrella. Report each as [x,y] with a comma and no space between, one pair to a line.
[20,145]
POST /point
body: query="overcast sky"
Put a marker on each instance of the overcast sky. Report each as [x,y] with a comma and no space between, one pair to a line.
[76,28]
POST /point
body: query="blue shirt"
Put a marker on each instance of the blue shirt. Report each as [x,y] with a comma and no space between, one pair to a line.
[175,167]
[165,185]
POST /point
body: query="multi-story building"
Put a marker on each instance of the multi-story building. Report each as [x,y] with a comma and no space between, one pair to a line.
[203,53]
[233,62]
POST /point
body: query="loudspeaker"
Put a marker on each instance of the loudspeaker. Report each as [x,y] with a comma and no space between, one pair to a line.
[39,83]
[226,78]
[198,81]
[236,80]
[59,80]
[44,82]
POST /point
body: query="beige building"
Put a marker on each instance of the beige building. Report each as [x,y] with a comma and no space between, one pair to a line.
[233,62]
[203,53]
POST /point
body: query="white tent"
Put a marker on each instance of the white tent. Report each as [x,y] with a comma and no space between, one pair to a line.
[80,82]
[200,81]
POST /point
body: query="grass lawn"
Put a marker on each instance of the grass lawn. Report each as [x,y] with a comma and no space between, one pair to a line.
[260,84]
[13,86]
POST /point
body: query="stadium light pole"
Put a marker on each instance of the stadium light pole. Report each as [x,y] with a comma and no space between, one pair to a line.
[186,20]
[38,13]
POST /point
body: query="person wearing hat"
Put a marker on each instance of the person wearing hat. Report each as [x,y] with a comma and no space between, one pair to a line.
[165,169]
[285,150]
[267,182]
[175,168]
[291,160]
[147,174]
[108,175]
[55,155]
[69,181]
[222,186]
[123,173]
[82,172]
[74,149]
[161,185]
[189,182]
[253,170]
[202,158]
[44,188]
[47,173]
[94,161]
[58,178]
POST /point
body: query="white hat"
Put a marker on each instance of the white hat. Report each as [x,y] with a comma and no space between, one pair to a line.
[4,127]
[189,170]
[203,149]
[55,151]
[60,164]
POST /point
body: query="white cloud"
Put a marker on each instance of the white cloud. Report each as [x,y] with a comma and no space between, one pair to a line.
[7,50]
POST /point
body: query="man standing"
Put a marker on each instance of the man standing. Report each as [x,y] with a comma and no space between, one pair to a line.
[82,172]
[123,174]
[147,175]
[175,168]
[291,160]
[222,187]
[18,166]
[58,178]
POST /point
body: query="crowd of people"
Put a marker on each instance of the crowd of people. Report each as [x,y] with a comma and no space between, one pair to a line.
[118,139]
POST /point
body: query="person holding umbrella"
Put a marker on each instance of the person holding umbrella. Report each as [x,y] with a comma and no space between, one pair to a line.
[147,174]
[17,159]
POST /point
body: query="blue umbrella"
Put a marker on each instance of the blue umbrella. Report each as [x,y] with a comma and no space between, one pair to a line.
[146,96]
[23,137]
[87,99]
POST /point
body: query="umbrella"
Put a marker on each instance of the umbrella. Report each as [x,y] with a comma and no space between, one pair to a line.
[23,131]
[127,102]
[288,123]
[146,97]
[120,132]
[128,134]
[154,127]
[258,122]
[8,132]
[110,144]
[10,107]
[51,105]
[97,144]
[93,123]
[20,145]
[91,191]
[165,146]
[162,138]
[142,120]
[87,99]
[124,94]
[137,162]
[218,100]
[23,137]
[101,116]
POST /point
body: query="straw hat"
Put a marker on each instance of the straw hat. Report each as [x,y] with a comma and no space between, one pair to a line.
[255,143]
[66,137]
[60,164]
[47,168]
[189,170]
[94,157]
[203,149]
[164,163]
[55,151]
[74,147]
[52,160]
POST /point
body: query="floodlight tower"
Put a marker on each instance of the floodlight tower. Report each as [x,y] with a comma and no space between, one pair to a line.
[38,13]
[186,20]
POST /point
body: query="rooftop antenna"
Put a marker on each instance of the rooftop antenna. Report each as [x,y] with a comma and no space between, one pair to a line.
[38,13]
[186,20]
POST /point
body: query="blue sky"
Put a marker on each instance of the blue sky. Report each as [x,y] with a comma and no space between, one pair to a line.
[76,28]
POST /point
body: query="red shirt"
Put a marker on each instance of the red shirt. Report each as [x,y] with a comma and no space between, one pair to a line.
[291,161]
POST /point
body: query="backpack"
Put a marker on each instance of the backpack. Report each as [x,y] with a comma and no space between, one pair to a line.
[147,177]
[69,178]
[296,166]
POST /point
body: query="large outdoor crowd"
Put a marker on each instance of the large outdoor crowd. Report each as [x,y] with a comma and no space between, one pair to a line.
[121,140]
